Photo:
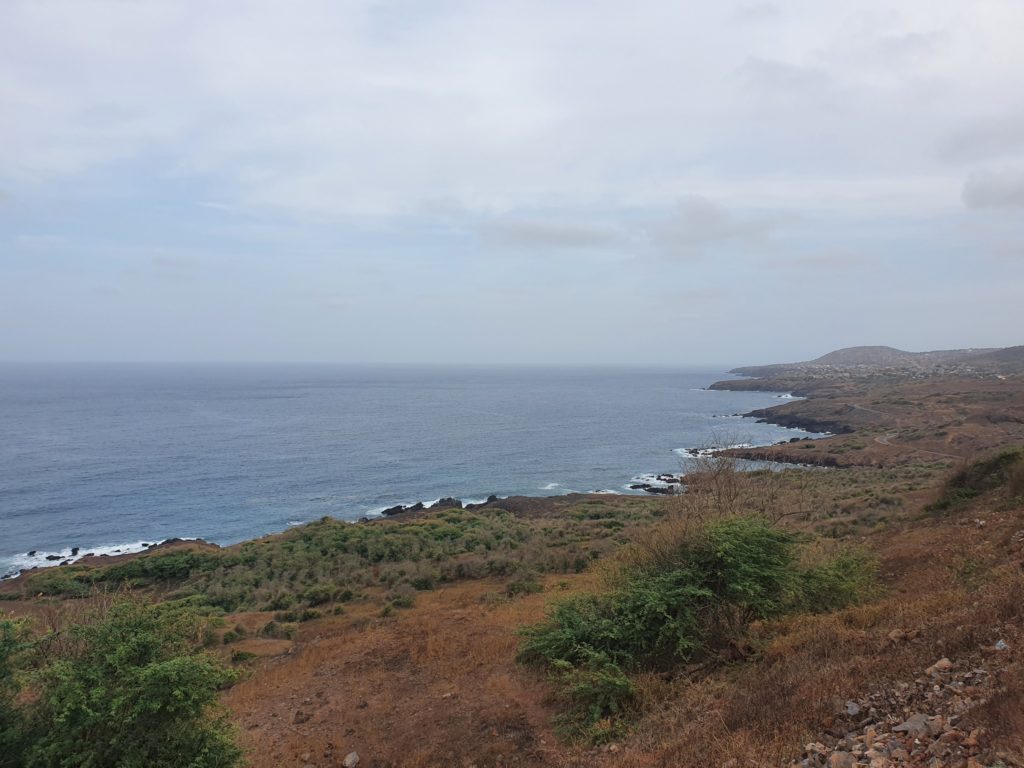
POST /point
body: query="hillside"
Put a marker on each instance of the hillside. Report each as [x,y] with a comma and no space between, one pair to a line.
[887,358]
[401,639]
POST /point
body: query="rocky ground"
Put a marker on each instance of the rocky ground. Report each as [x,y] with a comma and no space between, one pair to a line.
[923,722]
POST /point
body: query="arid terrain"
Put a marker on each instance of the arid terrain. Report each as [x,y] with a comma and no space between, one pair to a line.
[403,649]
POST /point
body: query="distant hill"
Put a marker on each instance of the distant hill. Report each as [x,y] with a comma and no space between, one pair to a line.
[1006,355]
[890,357]
[864,356]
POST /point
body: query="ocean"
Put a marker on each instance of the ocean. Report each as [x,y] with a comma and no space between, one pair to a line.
[109,458]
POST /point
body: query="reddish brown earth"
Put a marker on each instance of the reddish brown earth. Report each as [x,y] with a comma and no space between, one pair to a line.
[438,684]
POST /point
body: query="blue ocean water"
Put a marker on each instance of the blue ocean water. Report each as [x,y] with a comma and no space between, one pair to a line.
[107,458]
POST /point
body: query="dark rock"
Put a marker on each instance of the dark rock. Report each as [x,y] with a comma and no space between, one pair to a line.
[74,551]
[53,557]
[32,553]
[397,509]
[663,491]
[449,502]
[301,717]
[416,507]
[639,487]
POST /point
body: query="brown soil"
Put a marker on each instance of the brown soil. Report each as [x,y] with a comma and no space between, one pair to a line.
[438,684]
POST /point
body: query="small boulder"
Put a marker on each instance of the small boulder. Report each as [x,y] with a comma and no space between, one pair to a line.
[301,717]
[942,665]
[841,760]
[920,726]
[351,760]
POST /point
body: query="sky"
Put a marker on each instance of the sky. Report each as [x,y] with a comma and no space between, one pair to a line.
[438,181]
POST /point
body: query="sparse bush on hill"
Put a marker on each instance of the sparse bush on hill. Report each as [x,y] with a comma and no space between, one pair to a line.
[126,689]
[687,598]
[331,561]
[1004,469]
[12,643]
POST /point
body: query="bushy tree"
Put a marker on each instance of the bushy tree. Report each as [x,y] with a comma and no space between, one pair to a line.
[11,725]
[130,690]
[686,599]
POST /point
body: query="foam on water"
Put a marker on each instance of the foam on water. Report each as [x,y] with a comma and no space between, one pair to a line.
[13,565]
[141,454]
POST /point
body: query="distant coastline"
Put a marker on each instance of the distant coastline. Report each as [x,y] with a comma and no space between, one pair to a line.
[702,431]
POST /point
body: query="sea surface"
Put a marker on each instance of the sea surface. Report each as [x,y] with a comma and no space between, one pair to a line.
[109,458]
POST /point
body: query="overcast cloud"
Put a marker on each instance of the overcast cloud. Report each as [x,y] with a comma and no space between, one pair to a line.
[508,181]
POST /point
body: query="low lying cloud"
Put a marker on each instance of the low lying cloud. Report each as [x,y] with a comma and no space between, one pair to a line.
[697,224]
[530,234]
[995,189]
[995,136]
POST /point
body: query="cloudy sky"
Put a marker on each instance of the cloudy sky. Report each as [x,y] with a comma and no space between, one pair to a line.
[582,182]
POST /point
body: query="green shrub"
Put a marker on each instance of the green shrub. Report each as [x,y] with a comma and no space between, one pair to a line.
[62,582]
[319,594]
[130,688]
[403,601]
[526,585]
[847,579]
[1000,470]
[230,637]
[422,583]
[278,629]
[171,566]
[596,694]
[12,725]
[680,602]
[674,608]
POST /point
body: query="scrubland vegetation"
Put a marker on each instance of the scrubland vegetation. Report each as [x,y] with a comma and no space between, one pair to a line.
[687,590]
[126,685]
[721,621]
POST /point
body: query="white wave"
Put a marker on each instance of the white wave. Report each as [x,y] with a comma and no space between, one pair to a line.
[550,486]
[699,453]
[607,492]
[467,502]
[14,564]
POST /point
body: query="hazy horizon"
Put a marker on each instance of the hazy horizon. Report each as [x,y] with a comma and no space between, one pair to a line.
[459,183]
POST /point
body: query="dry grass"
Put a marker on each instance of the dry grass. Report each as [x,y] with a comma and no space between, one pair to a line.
[441,686]
[438,683]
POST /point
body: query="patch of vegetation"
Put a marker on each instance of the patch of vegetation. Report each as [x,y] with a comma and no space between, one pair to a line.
[331,561]
[597,697]
[685,597]
[130,687]
[524,585]
[1002,470]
